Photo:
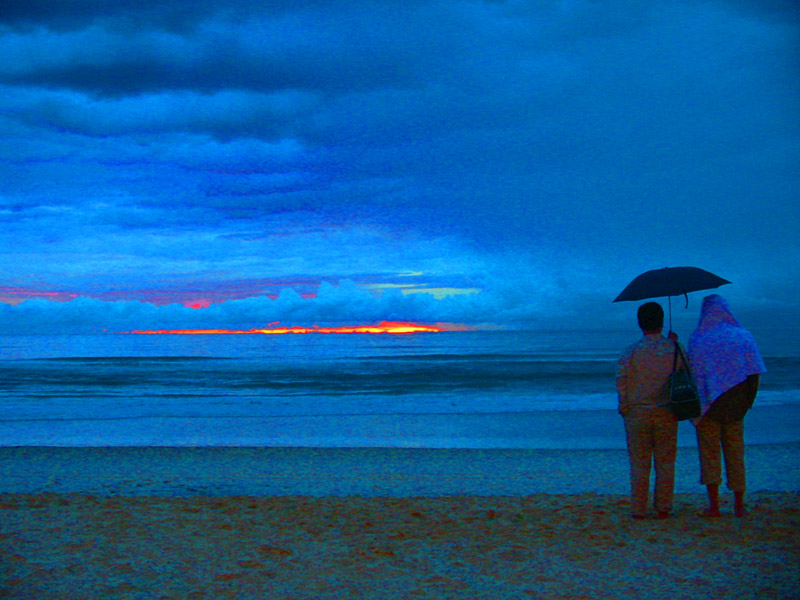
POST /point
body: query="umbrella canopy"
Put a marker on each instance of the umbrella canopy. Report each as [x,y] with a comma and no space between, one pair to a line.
[669,281]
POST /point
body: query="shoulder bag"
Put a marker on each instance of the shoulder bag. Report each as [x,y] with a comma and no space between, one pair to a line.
[684,399]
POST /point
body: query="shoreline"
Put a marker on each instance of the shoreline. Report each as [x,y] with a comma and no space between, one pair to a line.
[558,429]
[371,472]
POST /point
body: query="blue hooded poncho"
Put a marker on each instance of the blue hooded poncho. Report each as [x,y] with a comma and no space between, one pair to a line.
[722,353]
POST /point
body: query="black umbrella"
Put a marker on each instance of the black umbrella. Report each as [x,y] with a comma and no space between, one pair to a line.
[670,281]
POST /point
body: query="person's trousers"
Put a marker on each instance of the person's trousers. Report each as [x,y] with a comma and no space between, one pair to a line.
[713,436]
[652,435]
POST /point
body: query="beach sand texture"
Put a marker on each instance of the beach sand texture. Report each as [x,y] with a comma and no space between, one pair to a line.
[55,546]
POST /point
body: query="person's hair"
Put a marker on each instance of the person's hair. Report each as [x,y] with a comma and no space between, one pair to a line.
[651,316]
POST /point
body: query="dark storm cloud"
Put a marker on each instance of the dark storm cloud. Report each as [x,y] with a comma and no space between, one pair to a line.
[784,11]
[339,49]
[66,15]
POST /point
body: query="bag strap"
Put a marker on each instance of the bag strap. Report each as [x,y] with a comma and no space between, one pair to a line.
[678,351]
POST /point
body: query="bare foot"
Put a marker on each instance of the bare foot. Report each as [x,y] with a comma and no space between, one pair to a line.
[639,517]
[711,513]
[741,512]
[663,515]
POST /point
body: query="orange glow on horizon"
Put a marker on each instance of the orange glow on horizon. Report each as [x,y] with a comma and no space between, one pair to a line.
[382,327]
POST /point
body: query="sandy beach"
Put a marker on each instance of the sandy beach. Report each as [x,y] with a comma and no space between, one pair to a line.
[410,536]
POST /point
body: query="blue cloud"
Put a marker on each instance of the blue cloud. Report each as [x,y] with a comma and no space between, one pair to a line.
[541,153]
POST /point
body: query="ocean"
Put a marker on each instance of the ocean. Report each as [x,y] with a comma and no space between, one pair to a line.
[466,389]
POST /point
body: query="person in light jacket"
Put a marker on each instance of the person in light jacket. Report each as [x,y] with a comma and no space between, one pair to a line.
[651,430]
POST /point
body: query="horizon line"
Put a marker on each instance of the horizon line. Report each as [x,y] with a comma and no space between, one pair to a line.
[387,327]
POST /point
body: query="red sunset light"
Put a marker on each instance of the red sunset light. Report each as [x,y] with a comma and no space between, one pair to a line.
[382,327]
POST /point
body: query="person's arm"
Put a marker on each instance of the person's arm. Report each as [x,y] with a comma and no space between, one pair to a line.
[622,387]
[622,395]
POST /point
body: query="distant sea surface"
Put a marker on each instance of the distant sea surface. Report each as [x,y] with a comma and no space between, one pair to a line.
[482,389]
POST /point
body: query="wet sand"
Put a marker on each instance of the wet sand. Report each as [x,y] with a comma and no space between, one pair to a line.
[231,471]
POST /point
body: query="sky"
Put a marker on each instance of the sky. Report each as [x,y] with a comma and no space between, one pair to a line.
[499,164]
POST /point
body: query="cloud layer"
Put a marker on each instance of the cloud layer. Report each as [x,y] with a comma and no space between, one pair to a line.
[519,161]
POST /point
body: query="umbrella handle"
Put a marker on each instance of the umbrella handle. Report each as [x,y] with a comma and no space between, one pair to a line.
[669,301]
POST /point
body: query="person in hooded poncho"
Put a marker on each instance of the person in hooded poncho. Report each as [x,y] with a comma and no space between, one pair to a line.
[726,364]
